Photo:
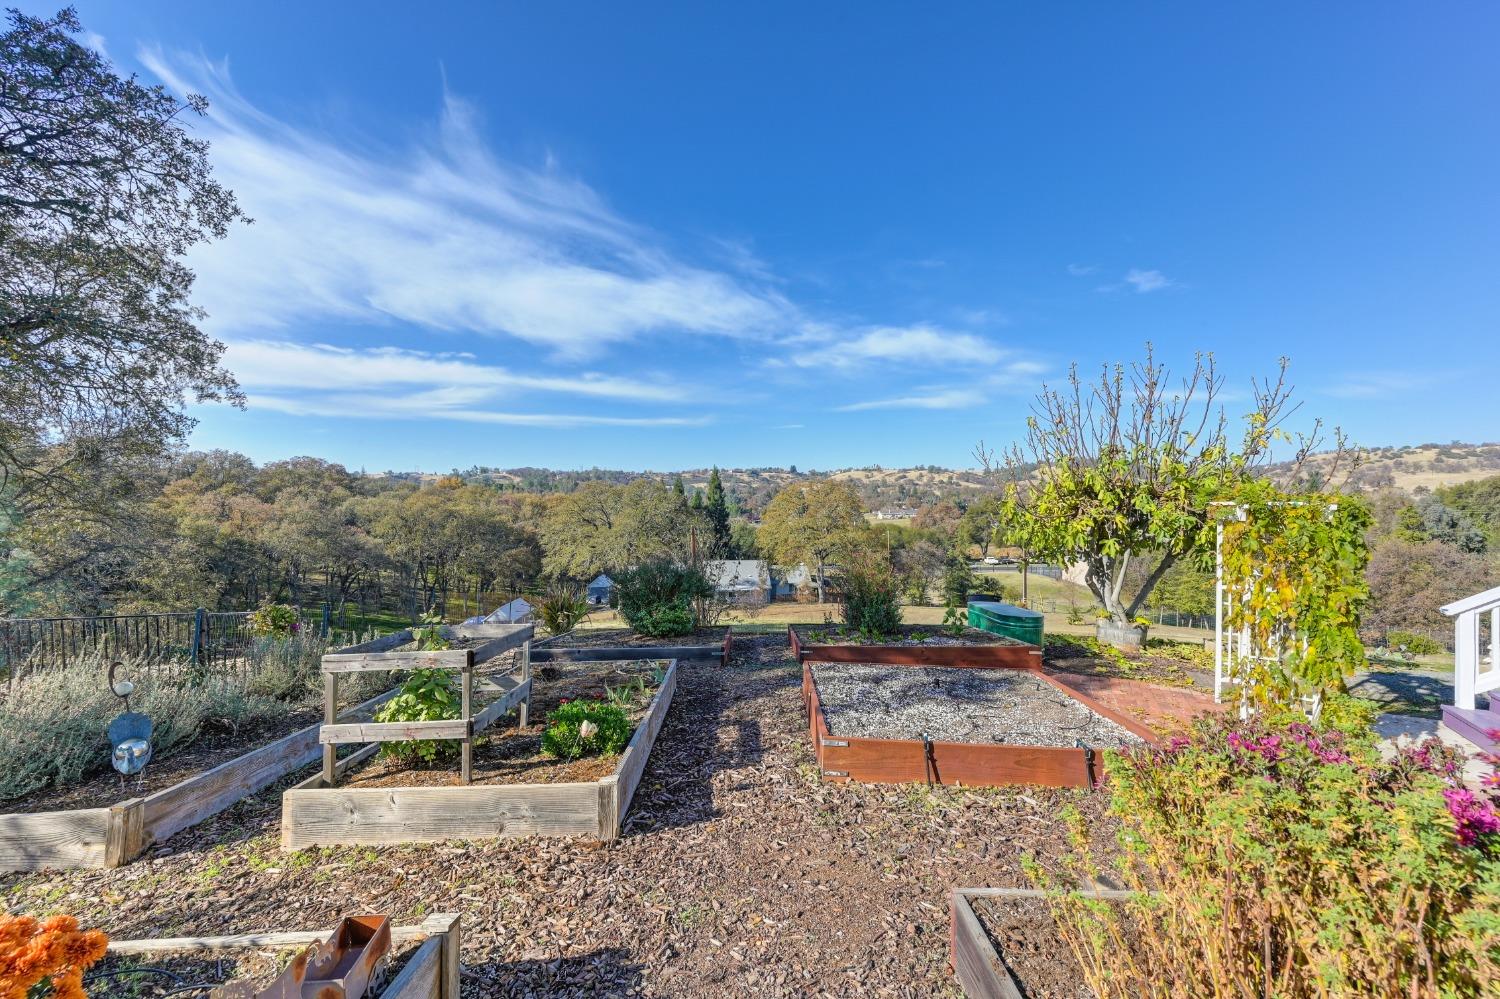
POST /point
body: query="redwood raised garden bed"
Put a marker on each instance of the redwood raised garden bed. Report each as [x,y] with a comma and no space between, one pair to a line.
[844,757]
[918,645]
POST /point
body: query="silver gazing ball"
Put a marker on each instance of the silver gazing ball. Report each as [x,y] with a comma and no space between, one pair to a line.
[131,756]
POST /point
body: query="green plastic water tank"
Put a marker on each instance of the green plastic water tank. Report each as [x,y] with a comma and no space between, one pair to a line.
[1006,619]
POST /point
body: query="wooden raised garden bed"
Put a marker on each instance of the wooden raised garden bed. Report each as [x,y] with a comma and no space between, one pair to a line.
[1037,963]
[113,835]
[876,758]
[922,646]
[602,653]
[422,961]
[408,806]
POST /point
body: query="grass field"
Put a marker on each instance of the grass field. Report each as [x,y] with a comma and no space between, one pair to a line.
[776,617]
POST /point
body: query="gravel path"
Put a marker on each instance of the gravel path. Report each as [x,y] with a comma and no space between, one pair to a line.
[739,874]
[957,705]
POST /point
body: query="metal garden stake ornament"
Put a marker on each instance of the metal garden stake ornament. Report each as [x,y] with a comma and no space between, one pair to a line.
[129,733]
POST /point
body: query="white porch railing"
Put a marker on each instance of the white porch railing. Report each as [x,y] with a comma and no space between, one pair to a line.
[1474,672]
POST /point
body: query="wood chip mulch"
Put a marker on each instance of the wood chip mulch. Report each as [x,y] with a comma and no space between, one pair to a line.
[739,872]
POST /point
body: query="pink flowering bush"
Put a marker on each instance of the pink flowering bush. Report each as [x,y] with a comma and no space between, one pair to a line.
[1273,857]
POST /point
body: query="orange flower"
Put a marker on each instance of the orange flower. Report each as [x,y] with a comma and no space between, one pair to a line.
[54,949]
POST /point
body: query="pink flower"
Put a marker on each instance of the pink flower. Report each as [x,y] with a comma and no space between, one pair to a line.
[1475,819]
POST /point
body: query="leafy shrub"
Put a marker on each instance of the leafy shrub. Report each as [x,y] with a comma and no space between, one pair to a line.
[561,611]
[53,724]
[1415,644]
[426,695]
[1291,856]
[870,594]
[586,728]
[288,670]
[275,621]
[656,597]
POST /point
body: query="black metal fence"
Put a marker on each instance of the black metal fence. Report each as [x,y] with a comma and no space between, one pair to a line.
[206,639]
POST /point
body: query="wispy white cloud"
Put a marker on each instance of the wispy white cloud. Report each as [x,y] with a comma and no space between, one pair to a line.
[448,404]
[1082,270]
[953,398]
[920,344]
[446,236]
[1378,384]
[1145,281]
[283,365]
[999,380]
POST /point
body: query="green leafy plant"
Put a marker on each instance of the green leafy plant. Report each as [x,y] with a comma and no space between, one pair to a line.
[1290,858]
[585,728]
[275,621]
[426,695]
[1294,580]
[428,636]
[656,597]
[561,610]
[869,594]
[955,619]
[1413,643]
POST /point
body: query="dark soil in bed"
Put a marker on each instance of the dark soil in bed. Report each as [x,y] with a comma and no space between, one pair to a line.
[216,744]
[910,634]
[508,754]
[600,638]
[1026,938]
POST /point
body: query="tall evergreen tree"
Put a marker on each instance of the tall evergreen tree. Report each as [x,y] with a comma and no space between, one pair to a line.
[718,516]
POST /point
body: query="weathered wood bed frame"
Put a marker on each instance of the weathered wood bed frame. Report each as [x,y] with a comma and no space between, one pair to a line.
[315,813]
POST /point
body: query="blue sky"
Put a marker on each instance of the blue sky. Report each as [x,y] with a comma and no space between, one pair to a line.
[669,235]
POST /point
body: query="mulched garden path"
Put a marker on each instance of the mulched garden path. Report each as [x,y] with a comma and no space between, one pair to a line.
[739,871]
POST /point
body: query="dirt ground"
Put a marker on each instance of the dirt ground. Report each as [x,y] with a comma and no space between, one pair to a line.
[739,871]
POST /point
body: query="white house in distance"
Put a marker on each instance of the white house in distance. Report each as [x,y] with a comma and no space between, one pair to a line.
[753,581]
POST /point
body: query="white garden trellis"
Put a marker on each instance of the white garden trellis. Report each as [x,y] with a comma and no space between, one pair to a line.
[1235,647]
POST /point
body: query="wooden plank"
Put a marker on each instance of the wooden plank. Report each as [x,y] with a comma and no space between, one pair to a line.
[422,975]
[76,837]
[330,716]
[445,928]
[343,766]
[502,706]
[126,835]
[384,643]
[366,661]
[250,941]
[903,761]
[976,963]
[963,656]
[175,808]
[521,632]
[465,712]
[334,816]
[1118,717]
[632,763]
[447,728]
[627,652]
[496,646]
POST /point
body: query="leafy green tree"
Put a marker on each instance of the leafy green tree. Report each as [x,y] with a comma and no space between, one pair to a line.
[980,524]
[601,526]
[1127,466]
[812,523]
[102,192]
[1479,500]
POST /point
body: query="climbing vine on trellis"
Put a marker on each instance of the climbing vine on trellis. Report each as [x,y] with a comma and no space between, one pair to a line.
[1294,578]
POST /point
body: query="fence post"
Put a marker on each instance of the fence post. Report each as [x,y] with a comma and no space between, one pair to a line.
[198,622]
[327,618]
